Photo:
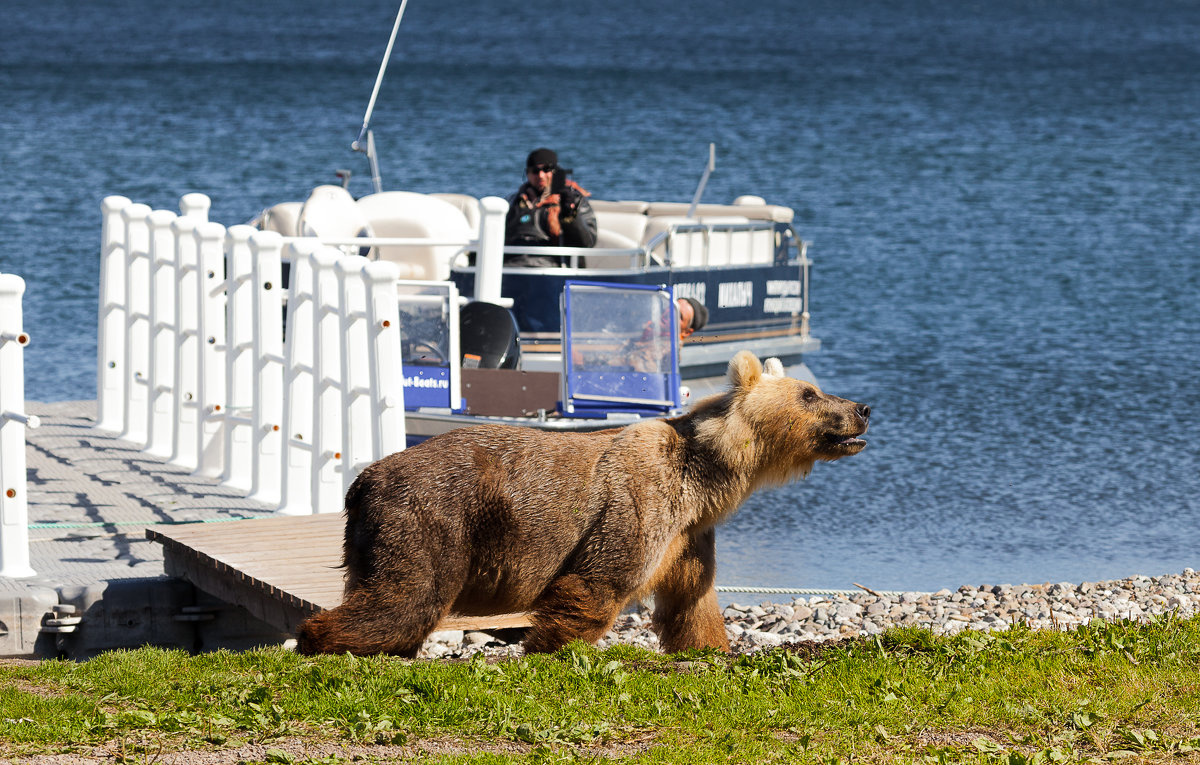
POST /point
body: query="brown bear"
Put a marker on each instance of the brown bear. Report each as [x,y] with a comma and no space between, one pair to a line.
[570,527]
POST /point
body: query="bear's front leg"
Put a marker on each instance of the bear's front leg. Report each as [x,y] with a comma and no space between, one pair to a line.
[571,608]
[686,612]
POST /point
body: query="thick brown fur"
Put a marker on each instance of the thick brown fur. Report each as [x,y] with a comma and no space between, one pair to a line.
[571,527]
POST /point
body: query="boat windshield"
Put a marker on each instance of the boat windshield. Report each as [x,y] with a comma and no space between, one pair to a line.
[620,345]
[429,345]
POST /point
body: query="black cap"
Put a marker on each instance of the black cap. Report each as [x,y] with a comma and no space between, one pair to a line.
[699,313]
[541,156]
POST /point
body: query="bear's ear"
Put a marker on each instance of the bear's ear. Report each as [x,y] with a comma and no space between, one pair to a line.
[744,370]
[774,368]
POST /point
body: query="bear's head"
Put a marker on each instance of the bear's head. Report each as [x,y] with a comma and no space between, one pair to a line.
[776,427]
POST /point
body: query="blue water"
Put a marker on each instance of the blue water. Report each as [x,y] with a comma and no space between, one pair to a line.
[1002,200]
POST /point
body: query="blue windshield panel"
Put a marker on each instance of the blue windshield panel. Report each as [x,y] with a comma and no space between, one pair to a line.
[427,347]
[620,352]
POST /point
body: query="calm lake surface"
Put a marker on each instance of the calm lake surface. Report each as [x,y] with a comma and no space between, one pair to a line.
[1001,198]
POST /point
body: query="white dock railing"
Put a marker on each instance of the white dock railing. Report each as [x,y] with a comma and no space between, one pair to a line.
[14,508]
[195,365]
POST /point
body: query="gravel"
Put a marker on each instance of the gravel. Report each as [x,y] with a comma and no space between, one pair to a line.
[1060,605]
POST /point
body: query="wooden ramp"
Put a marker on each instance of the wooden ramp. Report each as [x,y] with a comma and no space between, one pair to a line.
[282,570]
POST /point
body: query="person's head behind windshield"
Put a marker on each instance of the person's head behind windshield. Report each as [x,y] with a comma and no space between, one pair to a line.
[692,315]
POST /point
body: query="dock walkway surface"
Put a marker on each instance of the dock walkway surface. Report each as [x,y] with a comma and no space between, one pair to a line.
[91,499]
[131,550]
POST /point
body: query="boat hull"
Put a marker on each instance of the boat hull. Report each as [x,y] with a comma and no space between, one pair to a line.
[757,308]
[520,393]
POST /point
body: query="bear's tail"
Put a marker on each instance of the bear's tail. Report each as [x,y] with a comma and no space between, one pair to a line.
[369,623]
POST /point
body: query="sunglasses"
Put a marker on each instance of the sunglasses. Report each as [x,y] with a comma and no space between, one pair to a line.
[541,169]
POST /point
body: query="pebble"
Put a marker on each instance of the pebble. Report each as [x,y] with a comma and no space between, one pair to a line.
[1060,605]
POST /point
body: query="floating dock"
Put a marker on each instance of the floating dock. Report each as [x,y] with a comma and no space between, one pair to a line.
[281,570]
[130,550]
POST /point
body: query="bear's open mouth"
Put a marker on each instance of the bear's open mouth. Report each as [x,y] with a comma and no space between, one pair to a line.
[842,442]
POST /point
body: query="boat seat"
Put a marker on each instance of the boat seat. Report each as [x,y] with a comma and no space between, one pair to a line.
[283,218]
[611,240]
[775,213]
[330,213]
[409,214]
[631,226]
[750,200]
[609,205]
[618,230]
[466,204]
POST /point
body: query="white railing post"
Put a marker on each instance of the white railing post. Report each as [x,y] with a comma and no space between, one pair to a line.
[14,506]
[291,418]
[455,349]
[163,328]
[210,296]
[110,350]
[239,359]
[387,379]
[327,383]
[489,261]
[297,459]
[195,206]
[267,396]
[355,368]
[137,322]
[186,352]
[805,264]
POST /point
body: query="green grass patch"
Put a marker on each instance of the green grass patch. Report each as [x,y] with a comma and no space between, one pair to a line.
[1095,694]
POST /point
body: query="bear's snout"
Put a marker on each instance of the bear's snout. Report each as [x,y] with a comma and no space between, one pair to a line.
[863,411]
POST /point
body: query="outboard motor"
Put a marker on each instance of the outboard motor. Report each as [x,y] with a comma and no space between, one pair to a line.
[489,332]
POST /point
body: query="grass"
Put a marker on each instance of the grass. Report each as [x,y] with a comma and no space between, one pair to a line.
[1104,692]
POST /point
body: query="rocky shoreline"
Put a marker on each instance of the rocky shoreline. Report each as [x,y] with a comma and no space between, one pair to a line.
[830,617]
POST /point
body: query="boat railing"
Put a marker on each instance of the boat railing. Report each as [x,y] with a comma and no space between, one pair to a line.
[691,243]
[14,507]
[195,365]
[716,243]
[700,244]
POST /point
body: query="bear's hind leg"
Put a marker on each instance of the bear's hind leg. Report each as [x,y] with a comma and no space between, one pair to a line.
[571,608]
[373,621]
[683,623]
[686,611]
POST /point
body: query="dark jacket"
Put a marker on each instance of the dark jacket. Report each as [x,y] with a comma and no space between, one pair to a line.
[532,220]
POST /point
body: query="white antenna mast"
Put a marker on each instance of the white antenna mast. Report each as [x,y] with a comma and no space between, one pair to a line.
[708,168]
[369,150]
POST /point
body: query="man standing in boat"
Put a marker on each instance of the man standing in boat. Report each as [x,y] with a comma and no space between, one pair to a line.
[549,210]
